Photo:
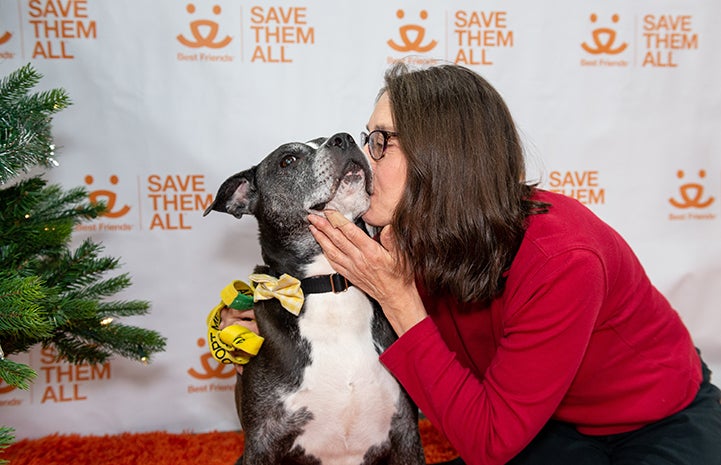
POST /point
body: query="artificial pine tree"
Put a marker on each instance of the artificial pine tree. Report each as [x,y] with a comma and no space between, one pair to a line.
[50,294]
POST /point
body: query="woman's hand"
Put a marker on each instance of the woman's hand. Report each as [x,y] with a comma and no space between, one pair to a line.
[245,318]
[371,266]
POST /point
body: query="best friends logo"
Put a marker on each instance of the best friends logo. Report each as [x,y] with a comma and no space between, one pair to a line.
[204,33]
[604,39]
[661,40]
[274,32]
[5,388]
[691,201]
[4,39]
[8,397]
[170,198]
[412,36]
[410,39]
[604,43]
[473,36]
[115,208]
[210,40]
[210,370]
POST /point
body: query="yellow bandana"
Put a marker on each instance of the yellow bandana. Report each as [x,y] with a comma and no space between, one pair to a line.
[240,296]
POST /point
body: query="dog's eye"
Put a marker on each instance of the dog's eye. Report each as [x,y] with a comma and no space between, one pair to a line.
[287,161]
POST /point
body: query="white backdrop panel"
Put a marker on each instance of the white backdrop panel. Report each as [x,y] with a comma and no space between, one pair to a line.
[618,104]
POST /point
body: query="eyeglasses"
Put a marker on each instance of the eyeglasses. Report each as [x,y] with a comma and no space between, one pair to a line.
[377,141]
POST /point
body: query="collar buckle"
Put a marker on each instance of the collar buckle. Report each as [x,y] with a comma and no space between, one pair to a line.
[338,283]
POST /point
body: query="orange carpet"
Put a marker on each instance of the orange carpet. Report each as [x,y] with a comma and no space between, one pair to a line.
[163,449]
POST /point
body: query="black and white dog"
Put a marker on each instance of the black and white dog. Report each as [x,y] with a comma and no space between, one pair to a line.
[316,392]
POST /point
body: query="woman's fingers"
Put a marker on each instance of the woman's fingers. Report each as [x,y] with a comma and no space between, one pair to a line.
[230,316]
[337,247]
[344,234]
[355,255]
[336,219]
[246,318]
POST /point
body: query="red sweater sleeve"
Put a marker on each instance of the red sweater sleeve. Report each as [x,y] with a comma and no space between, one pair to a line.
[547,326]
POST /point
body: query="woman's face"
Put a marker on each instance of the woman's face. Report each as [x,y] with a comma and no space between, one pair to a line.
[389,173]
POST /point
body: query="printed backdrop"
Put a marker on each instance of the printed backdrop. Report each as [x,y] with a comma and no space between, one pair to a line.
[618,102]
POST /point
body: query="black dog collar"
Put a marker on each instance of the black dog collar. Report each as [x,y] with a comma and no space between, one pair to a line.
[334,283]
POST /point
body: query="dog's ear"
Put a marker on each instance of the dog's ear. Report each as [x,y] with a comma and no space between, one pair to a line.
[237,195]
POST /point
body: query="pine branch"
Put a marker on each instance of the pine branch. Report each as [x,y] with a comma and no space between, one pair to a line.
[7,437]
[16,374]
[17,84]
[28,231]
[21,313]
[95,344]
[102,289]
[25,138]
[74,271]
[122,308]
[20,199]
[76,350]
[38,221]
[129,341]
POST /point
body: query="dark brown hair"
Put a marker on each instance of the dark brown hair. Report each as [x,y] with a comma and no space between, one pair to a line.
[461,219]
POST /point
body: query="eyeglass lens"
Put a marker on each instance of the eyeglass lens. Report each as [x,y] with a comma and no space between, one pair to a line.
[377,143]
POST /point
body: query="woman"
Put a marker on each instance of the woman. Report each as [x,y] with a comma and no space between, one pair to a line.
[528,331]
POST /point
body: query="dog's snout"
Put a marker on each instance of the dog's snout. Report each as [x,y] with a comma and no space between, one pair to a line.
[342,140]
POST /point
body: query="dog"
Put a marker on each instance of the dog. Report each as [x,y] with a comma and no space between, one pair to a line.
[316,393]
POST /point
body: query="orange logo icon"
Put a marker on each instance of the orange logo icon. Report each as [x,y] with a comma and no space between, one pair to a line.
[196,28]
[5,37]
[5,388]
[108,196]
[209,371]
[691,193]
[412,36]
[603,39]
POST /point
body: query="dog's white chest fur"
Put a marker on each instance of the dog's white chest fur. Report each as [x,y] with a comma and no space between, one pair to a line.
[350,394]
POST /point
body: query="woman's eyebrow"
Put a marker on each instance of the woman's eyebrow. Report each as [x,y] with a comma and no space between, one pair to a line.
[381,127]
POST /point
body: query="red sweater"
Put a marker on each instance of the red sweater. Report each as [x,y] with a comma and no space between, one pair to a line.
[579,335]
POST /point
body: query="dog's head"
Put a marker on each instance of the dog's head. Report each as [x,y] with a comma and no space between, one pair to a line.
[297,179]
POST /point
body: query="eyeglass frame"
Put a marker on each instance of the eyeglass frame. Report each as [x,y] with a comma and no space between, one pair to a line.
[365,138]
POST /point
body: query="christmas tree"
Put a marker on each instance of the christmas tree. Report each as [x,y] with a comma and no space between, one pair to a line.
[51,294]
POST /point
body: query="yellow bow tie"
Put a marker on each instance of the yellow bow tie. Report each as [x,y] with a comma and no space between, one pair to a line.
[286,289]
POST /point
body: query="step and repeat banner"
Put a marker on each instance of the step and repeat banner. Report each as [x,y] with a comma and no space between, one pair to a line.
[618,103]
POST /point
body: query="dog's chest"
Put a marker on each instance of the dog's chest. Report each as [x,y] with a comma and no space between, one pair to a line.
[350,394]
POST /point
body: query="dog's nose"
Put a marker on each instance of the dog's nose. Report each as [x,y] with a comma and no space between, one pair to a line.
[342,140]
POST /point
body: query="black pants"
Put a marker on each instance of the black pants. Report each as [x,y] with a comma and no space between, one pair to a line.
[690,437]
